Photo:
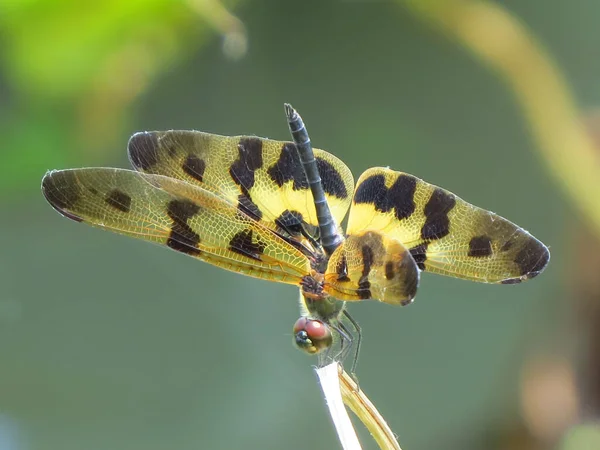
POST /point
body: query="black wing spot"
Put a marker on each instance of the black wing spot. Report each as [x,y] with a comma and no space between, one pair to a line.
[331,179]
[480,247]
[437,222]
[182,238]
[532,258]
[143,150]
[419,254]
[411,279]
[291,227]
[341,268]
[290,221]
[181,211]
[372,190]
[367,258]
[364,290]
[194,166]
[511,281]
[389,270]
[249,160]
[119,200]
[399,196]
[311,287]
[248,207]
[288,167]
[62,191]
[242,244]
[364,285]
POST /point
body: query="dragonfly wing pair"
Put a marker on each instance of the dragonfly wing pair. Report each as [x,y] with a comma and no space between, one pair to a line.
[243,204]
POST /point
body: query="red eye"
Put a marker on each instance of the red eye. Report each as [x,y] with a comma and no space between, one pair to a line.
[312,335]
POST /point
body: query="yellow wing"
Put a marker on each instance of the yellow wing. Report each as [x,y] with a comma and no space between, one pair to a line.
[444,234]
[264,178]
[186,218]
[371,265]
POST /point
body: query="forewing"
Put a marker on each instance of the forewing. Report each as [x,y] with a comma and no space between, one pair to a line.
[183,217]
[264,178]
[445,234]
[371,265]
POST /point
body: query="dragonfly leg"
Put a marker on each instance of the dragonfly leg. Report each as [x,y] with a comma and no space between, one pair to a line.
[358,335]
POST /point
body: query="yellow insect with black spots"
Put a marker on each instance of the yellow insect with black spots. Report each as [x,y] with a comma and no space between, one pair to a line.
[272,209]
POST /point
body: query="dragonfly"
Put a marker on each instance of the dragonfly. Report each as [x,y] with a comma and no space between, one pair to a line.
[272,210]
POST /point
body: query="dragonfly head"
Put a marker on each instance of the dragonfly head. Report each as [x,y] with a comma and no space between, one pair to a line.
[312,335]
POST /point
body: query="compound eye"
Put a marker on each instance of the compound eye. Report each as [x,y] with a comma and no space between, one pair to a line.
[311,335]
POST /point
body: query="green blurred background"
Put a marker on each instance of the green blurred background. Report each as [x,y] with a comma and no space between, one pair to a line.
[107,342]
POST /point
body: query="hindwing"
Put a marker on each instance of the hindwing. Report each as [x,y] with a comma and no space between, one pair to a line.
[371,265]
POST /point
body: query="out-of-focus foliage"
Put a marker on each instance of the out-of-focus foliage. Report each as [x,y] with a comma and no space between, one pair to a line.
[75,68]
[582,438]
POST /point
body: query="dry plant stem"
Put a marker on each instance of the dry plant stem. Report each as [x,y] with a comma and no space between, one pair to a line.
[502,41]
[217,15]
[340,388]
[235,43]
[360,405]
[330,383]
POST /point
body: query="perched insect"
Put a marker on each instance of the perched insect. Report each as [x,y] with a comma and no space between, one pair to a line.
[272,210]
